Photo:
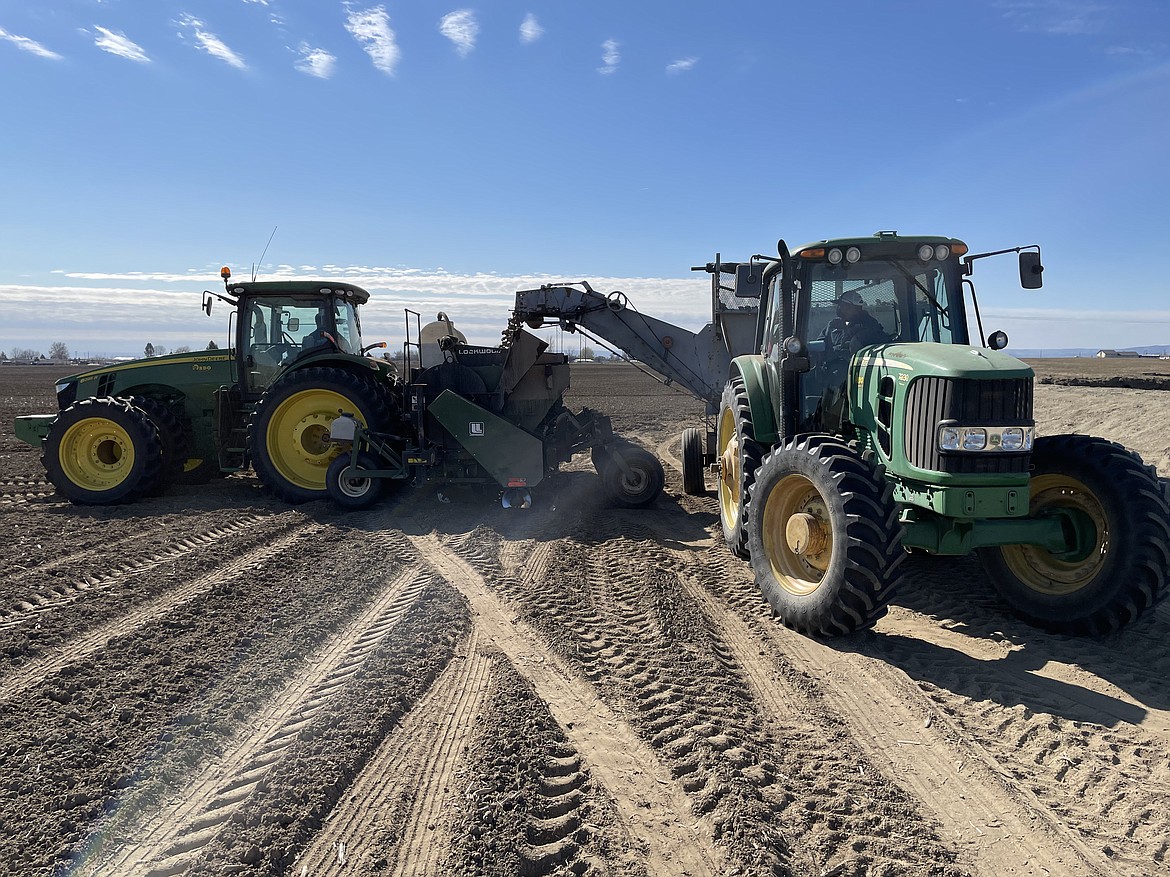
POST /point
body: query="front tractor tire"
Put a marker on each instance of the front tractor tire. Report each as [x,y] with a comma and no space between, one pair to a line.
[103,451]
[1117,513]
[824,536]
[288,433]
[739,456]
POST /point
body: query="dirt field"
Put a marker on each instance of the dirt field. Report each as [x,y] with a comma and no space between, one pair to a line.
[213,683]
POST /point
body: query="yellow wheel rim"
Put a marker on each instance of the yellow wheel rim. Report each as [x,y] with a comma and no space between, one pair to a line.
[797,535]
[96,454]
[1045,572]
[298,432]
[730,468]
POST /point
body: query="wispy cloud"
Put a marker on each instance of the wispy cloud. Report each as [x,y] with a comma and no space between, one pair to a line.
[682,65]
[1058,17]
[461,28]
[315,62]
[371,28]
[610,57]
[27,45]
[209,42]
[117,44]
[530,29]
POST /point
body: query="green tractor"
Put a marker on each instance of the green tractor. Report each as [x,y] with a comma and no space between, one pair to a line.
[296,358]
[870,422]
[297,398]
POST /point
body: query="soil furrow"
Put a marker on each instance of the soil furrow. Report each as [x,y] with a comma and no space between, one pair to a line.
[211,798]
[674,841]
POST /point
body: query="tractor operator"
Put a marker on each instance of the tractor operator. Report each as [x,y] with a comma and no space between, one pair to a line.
[854,327]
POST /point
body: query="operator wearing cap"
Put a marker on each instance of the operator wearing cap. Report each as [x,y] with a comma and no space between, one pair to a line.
[853,327]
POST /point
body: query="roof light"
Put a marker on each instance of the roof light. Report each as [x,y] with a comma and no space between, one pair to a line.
[225,272]
[941,252]
[818,253]
[959,249]
[926,252]
[852,255]
[835,256]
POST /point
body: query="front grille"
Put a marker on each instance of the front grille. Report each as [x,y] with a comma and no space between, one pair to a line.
[968,402]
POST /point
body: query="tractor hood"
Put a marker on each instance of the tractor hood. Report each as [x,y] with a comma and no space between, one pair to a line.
[942,360]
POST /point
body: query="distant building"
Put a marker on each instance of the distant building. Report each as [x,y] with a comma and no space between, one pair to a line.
[1129,354]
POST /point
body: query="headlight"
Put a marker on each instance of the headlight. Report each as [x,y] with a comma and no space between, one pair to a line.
[1009,439]
[835,256]
[852,255]
[926,252]
[974,439]
[941,252]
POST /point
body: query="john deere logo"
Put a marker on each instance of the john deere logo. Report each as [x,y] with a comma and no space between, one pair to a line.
[475,427]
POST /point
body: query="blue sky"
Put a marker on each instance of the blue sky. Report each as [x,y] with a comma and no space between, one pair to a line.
[445,155]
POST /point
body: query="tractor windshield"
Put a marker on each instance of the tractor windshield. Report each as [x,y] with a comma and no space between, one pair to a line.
[911,301]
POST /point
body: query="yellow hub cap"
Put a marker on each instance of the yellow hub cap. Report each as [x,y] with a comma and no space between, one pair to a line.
[1045,572]
[298,432]
[96,454]
[729,467]
[797,534]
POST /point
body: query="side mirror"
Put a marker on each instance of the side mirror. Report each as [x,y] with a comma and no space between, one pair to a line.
[207,302]
[749,280]
[997,340]
[1031,271]
[294,324]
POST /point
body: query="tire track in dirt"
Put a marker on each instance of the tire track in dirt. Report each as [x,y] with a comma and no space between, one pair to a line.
[406,783]
[90,642]
[16,491]
[675,842]
[176,835]
[62,593]
[1013,766]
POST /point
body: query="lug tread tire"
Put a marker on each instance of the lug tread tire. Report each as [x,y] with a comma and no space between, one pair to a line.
[735,532]
[692,462]
[143,434]
[171,436]
[364,392]
[857,586]
[1135,502]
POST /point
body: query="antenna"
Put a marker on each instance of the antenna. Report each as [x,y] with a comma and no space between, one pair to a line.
[256,265]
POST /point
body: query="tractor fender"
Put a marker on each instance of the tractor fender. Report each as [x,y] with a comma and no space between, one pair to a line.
[757,383]
[360,366]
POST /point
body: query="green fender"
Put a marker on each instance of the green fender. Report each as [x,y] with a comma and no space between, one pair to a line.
[758,384]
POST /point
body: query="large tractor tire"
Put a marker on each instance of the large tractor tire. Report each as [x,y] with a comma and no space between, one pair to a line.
[1120,516]
[825,540]
[636,485]
[692,462]
[288,433]
[172,438]
[102,451]
[739,457]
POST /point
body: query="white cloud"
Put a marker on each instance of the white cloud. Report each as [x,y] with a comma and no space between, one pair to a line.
[27,45]
[461,28]
[371,28]
[1059,17]
[210,43]
[315,62]
[610,56]
[530,29]
[681,65]
[117,44]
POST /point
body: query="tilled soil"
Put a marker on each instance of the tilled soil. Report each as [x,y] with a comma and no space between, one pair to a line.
[211,682]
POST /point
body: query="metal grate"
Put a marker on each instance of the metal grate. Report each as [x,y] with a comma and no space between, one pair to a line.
[1000,402]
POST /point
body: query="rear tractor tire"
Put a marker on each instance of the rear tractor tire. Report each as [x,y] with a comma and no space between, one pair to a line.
[1120,512]
[103,451]
[639,483]
[739,456]
[825,540]
[693,447]
[288,433]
